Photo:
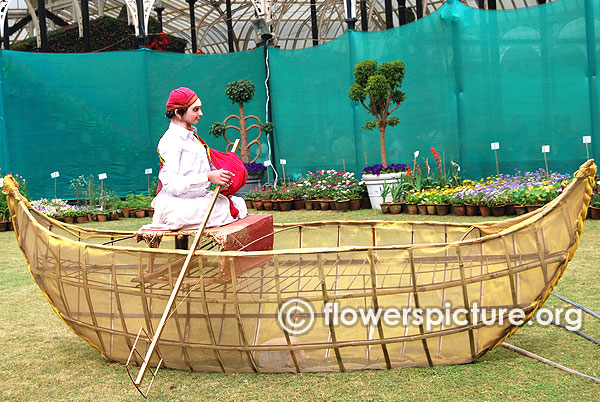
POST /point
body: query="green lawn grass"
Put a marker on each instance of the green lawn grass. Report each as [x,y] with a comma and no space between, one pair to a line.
[41,359]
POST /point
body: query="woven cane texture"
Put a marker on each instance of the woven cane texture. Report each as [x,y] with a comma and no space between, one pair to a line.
[105,287]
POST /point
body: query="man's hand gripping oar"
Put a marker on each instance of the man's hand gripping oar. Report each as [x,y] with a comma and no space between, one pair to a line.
[165,316]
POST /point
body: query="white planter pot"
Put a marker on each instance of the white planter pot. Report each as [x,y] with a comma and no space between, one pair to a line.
[250,185]
[375,184]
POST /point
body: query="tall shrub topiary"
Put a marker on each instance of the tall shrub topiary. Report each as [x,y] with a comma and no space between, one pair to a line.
[241,92]
[377,88]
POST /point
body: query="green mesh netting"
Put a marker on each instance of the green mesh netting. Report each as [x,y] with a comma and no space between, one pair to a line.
[524,78]
[88,114]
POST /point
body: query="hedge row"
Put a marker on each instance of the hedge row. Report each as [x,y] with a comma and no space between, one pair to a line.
[107,34]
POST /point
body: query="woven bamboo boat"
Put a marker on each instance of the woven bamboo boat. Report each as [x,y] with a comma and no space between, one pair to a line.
[226,316]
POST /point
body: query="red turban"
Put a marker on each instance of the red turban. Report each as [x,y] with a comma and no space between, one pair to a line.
[181,98]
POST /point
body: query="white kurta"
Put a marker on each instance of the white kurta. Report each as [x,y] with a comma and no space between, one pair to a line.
[184,199]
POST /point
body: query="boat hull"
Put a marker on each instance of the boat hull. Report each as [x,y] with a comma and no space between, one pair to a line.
[231,319]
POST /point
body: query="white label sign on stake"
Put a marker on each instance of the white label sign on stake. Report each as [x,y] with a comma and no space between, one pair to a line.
[102,176]
[267,163]
[416,154]
[54,175]
[282,161]
[587,139]
[1,181]
[148,171]
[495,145]
[545,149]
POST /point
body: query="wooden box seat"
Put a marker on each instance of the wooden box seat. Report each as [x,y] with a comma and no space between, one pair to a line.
[253,233]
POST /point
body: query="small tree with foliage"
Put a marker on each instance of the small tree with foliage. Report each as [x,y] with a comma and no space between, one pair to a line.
[377,88]
[241,92]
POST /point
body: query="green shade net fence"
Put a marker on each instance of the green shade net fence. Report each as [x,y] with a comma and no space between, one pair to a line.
[523,78]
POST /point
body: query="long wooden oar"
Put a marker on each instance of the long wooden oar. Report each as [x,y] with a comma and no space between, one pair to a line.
[165,316]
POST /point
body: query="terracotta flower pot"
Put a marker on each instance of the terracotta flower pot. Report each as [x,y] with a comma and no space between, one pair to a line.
[442,209]
[140,213]
[431,209]
[285,205]
[485,210]
[126,212]
[81,218]
[276,205]
[498,210]
[342,205]
[395,208]
[267,204]
[258,205]
[316,205]
[458,209]
[248,203]
[594,212]
[324,205]
[309,205]
[365,202]
[520,209]
[531,208]
[3,226]
[355,204]
[102,217]
[412,209]
[472,210]
[332,205]
[70,219]
[422,209]
[298,204]
[510,209]
[149,211]
[385,207]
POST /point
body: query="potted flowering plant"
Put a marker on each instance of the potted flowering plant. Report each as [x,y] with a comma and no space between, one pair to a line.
[375,176]
[268,196]
[256,196]
[284,197]
[4,212]
[256,172]
[457,201]
[296,190]
[595,203]
[412,198]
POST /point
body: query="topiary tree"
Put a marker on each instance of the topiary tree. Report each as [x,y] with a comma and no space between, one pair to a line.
[380,87]
[241,92]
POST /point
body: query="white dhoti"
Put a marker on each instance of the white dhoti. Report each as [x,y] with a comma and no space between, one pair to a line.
[189,213]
